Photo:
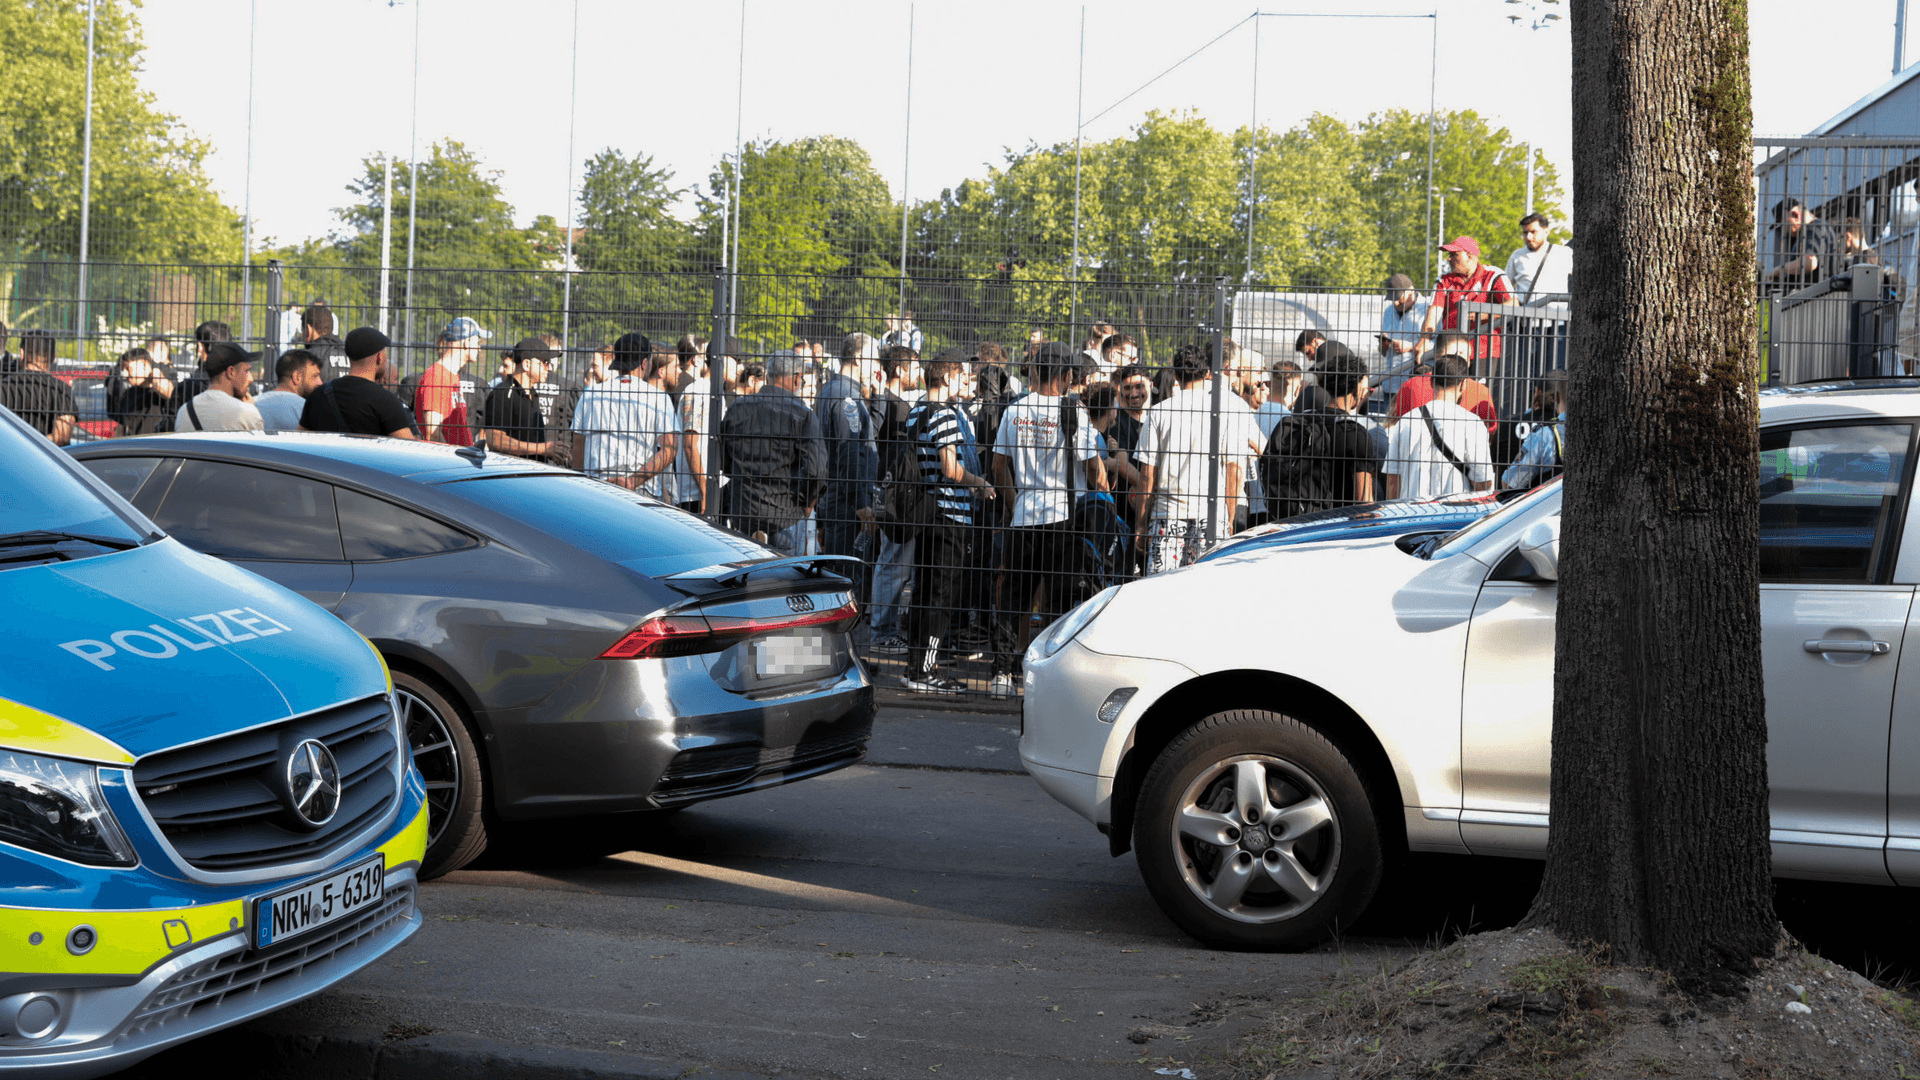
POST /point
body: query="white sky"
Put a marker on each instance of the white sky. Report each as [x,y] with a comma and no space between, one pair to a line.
[659,78]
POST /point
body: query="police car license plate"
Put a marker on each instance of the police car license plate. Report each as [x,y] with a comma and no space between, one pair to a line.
[791,654]
[286,915]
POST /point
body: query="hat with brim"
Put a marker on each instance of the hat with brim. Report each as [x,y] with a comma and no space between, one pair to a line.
[1463,243]
[534,349]
[365,342]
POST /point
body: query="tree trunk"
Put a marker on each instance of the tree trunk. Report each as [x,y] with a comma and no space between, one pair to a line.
[1659,788]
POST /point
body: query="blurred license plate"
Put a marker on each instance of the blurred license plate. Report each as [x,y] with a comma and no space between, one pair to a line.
[289,914]
[791,654]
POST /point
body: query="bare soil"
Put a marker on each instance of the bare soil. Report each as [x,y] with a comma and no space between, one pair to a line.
[1522,1004]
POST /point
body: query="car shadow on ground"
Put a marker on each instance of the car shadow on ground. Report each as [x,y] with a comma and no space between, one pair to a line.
[1429,900]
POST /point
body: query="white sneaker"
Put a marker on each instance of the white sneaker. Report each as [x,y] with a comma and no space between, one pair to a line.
[1002,686]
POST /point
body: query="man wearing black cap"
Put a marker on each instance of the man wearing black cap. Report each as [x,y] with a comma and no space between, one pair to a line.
[356,403]
[626,430]
[227,402]
[515,424]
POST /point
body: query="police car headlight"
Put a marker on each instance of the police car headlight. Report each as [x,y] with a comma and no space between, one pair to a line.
[55,807]
[1072,623]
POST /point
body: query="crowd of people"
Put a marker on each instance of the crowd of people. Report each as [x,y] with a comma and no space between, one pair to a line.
[983,492]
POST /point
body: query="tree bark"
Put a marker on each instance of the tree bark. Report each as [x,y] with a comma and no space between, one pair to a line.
[1659,843]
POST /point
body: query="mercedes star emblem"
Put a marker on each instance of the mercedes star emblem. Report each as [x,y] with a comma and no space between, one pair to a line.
[313,781]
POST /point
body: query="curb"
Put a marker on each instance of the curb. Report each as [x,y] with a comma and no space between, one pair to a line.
[267,1052]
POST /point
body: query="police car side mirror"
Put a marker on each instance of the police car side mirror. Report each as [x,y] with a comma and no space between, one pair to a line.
[1540,546]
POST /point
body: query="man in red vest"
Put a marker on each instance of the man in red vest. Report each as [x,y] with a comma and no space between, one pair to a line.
[1468,279]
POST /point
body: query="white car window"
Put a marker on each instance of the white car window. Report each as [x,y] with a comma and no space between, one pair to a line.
[1830,500]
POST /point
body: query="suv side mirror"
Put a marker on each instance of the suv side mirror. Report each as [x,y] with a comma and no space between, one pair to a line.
[1540,546]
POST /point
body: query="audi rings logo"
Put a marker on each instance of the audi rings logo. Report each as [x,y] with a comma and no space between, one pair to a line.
[800,603]
[313,783]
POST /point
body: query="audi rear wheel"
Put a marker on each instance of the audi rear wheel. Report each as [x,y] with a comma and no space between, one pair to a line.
[444,752]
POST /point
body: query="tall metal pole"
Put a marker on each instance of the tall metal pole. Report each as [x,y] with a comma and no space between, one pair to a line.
[246,202]
[1079,110]
[716,386]
[1218,368]
[1433,260]
[413,177]
[1529,176]
[386,233]
[1899,36]
[1253,149]
[732,260]
[86,196]
[1433,113]
[566,266]
[906,166]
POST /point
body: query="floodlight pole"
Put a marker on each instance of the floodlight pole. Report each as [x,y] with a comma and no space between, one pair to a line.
[1433,114]
[386,233]
[906,166]
[246,204]
[1253,149]
[1079,129]
[86,196]
[413,173]
[566,263]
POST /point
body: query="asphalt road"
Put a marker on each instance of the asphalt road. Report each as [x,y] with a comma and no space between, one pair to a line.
[932,912]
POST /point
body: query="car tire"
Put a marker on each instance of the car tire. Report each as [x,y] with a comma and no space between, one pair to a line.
[1307,863]
[444,750]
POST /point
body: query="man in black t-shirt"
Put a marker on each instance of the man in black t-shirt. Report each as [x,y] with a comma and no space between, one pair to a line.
[35,395]
[356,403]
[515,424]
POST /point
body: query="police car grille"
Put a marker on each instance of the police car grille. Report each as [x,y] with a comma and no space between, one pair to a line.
[205,987]
[215,801]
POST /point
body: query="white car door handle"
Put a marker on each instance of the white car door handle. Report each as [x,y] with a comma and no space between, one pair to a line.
[1847,645]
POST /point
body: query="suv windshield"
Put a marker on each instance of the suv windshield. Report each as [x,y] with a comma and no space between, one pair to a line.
[609,521]
[43,501]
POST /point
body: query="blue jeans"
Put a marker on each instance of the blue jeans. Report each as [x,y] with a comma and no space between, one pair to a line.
[890,576]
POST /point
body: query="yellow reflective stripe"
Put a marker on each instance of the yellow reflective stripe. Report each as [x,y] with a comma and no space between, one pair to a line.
[384,669]
[23,727]
[125,942]
[408,846]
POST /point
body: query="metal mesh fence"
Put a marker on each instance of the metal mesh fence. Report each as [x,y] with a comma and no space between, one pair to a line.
[1010,467]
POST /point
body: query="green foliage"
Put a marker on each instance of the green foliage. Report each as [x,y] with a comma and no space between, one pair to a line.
[1486,164]
[462,220]
[640,259]
[814,216]
[151,200]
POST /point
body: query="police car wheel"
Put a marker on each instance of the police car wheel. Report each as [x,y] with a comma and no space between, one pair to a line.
[444,752]
[1256,832]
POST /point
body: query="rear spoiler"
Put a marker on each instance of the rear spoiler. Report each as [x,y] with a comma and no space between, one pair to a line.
[729,575]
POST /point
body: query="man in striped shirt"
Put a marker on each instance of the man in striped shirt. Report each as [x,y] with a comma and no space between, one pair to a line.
[949,459]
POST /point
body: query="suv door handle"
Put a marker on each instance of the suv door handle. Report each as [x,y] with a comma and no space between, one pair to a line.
[1848,645]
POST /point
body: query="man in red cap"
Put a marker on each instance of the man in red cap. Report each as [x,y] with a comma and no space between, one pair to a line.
[1467,279]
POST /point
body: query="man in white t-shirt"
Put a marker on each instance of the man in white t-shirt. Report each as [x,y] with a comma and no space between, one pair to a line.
[227,402]
[625,431]
[1175,456]
[1043,454]
[1439,448]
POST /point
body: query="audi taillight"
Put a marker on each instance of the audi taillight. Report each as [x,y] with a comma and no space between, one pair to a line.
[689,634]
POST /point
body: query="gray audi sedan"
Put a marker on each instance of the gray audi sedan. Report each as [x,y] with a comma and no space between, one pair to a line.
[559,646]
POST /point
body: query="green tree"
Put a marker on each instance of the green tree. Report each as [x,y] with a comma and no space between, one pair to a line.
[1481,169]
[815,217]
[462,219]
[1313,222]
[151,200]
[641,267]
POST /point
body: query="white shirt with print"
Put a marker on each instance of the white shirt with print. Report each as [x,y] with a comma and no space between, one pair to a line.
[1030,435]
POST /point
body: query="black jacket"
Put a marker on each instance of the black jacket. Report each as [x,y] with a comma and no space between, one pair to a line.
[771,450]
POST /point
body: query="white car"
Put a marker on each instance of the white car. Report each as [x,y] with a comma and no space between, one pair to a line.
[1266,727]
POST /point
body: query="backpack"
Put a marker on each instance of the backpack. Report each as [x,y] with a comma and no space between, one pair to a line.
[1102,545]
[1296,469]
[906,503]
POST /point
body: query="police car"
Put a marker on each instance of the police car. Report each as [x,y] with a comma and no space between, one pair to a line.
[207,809]
[1384,693]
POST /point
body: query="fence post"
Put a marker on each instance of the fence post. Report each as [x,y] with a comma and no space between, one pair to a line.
[276,301]
[716,390]
[1218,366]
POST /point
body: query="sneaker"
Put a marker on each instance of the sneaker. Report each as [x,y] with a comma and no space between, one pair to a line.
[891,645]
[1002,686]
[933,684]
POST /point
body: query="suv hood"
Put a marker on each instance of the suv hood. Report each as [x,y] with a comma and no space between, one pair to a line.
[158,646]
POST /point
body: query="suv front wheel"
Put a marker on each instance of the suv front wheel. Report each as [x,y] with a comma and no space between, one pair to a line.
[1255,832]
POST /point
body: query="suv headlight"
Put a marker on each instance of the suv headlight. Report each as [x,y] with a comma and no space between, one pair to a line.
[1072,623]
[55,807]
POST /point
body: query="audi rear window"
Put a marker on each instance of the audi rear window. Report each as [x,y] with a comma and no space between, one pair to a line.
[611,522]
